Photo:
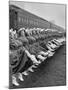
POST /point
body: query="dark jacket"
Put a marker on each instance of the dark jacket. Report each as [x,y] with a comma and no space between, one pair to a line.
[17,61]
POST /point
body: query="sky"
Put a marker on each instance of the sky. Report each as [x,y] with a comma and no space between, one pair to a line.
[56,13]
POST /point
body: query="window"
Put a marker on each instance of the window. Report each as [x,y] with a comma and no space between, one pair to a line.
[27,20]
[19,19]
[22,19]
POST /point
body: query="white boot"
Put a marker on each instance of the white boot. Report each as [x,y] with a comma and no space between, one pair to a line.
[25,73]
[50,48]
[43,53]
[34,66]
[30,69]
[41,57]
[50,53]
[14,81]
[32,57]
[20,76]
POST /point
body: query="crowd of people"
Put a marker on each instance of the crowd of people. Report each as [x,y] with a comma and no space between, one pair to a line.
[28,47]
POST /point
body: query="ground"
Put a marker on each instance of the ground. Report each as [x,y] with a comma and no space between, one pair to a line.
[51,72]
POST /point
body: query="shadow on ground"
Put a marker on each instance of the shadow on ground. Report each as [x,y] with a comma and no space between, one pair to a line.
[52,72]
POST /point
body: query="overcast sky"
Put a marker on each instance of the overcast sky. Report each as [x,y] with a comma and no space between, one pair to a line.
[50,12]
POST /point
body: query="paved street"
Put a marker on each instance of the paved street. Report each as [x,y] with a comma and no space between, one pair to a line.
[49,73]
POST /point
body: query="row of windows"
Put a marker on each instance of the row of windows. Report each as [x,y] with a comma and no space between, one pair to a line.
[29,21]
[23,19]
